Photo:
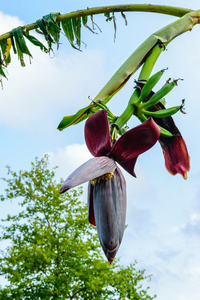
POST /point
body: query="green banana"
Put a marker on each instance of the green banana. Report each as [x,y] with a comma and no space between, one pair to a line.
[149,85]
[160,94]
[164,112]
[163,132]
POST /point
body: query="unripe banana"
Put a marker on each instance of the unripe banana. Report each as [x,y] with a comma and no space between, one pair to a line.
[165,132]
[159,94]
[153,80]
[164,112]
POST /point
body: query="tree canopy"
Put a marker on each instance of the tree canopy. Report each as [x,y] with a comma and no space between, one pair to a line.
[53,251]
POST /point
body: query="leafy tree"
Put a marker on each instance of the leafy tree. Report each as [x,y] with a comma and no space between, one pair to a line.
[54,252]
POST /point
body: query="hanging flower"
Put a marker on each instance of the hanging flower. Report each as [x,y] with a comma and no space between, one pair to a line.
[177,159]
[107,186]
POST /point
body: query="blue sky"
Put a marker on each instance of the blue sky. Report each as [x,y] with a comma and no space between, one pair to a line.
[163,214]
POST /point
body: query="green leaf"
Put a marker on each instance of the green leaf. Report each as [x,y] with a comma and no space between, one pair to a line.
[52,26]
[76,23]
[69,33]
[35,41]
[20,41]
[76,118]
[84,21]
[107,15]
[2,72]
[13,42]
[3,45]
[41,24]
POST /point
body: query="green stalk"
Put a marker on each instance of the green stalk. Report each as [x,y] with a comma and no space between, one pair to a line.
[162,9]
[144,75]
[150,62]
[129,111]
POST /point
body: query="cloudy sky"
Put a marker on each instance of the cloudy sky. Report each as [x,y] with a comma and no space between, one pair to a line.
[163,214]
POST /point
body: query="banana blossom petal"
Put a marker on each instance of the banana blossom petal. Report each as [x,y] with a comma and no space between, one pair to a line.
[107,211]
[91,169]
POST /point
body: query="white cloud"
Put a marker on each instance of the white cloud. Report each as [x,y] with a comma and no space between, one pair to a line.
[195,219]
[69,158]
[45,87]
[8,22]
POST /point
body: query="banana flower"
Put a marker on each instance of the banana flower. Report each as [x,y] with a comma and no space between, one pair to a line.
[177,159]
[107,186]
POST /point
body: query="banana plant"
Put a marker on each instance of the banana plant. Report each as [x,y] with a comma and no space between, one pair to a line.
[107,186]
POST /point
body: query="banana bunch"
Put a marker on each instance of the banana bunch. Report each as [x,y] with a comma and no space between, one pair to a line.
[148,99]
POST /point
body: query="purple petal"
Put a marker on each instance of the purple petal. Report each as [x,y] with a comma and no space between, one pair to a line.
[109,199]
[91,217]
[97,133]
[91,169]
[135,141]
[129,166]
[176,156]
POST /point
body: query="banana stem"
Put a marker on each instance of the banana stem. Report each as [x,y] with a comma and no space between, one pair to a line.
[162,9]
[150,62]
[143,76]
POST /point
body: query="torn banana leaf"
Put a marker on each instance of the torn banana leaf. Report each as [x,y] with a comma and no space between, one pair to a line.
[5,48]
[19,44]
[69,33]
[52,26]
[35,41]
[81,115]
[76,118]
[20,41]
[84,21]
[76,23]
[1,71]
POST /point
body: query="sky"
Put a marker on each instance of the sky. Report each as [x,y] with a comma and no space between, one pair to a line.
[163,213]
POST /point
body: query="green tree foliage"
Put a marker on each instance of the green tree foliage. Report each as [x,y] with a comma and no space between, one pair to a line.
[53,251]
